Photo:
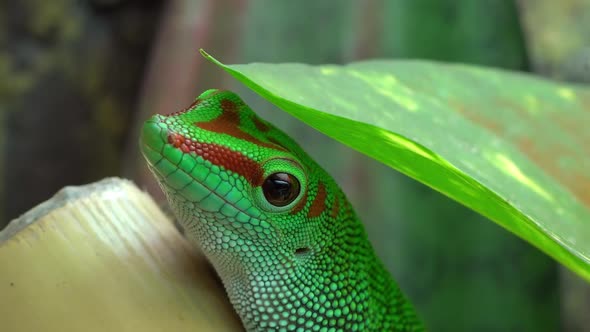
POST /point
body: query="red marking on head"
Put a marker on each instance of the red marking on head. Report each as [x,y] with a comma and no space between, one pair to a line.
[263,127]
[221,156]
[319,202]
[335,207]
[301,204]
[228,123]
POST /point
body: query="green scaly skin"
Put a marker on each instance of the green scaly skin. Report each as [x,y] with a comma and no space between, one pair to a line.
[304,266]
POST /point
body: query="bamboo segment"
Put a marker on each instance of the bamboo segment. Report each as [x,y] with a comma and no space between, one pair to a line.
[103,257]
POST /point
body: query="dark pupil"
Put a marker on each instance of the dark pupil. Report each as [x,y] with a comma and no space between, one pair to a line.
[280,189]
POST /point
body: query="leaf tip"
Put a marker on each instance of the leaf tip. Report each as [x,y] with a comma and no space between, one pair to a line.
[204,53]
[210,58]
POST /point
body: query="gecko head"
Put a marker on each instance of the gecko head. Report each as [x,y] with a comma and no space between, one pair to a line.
[242,189]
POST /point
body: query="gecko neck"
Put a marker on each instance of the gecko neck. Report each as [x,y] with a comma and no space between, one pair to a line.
[346,292]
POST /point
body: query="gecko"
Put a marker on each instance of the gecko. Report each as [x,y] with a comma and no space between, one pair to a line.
[285,241]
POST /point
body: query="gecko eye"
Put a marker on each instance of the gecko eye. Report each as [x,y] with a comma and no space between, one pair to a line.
[280,189]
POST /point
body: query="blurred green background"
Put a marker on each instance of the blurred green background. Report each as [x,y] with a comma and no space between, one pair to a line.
[77,78]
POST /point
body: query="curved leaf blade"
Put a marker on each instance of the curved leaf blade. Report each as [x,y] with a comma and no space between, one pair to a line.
[510,146]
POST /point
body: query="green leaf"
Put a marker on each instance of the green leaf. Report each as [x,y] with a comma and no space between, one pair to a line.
[513,147]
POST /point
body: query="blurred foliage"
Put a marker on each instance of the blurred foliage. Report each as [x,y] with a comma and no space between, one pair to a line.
[69,75]
[557,37]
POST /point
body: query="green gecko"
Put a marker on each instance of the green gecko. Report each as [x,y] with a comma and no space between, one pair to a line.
[286,243]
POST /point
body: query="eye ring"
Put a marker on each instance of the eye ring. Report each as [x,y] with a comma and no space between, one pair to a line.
[280,189]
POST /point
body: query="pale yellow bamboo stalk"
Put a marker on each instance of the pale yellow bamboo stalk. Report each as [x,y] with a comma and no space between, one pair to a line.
[103,257]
